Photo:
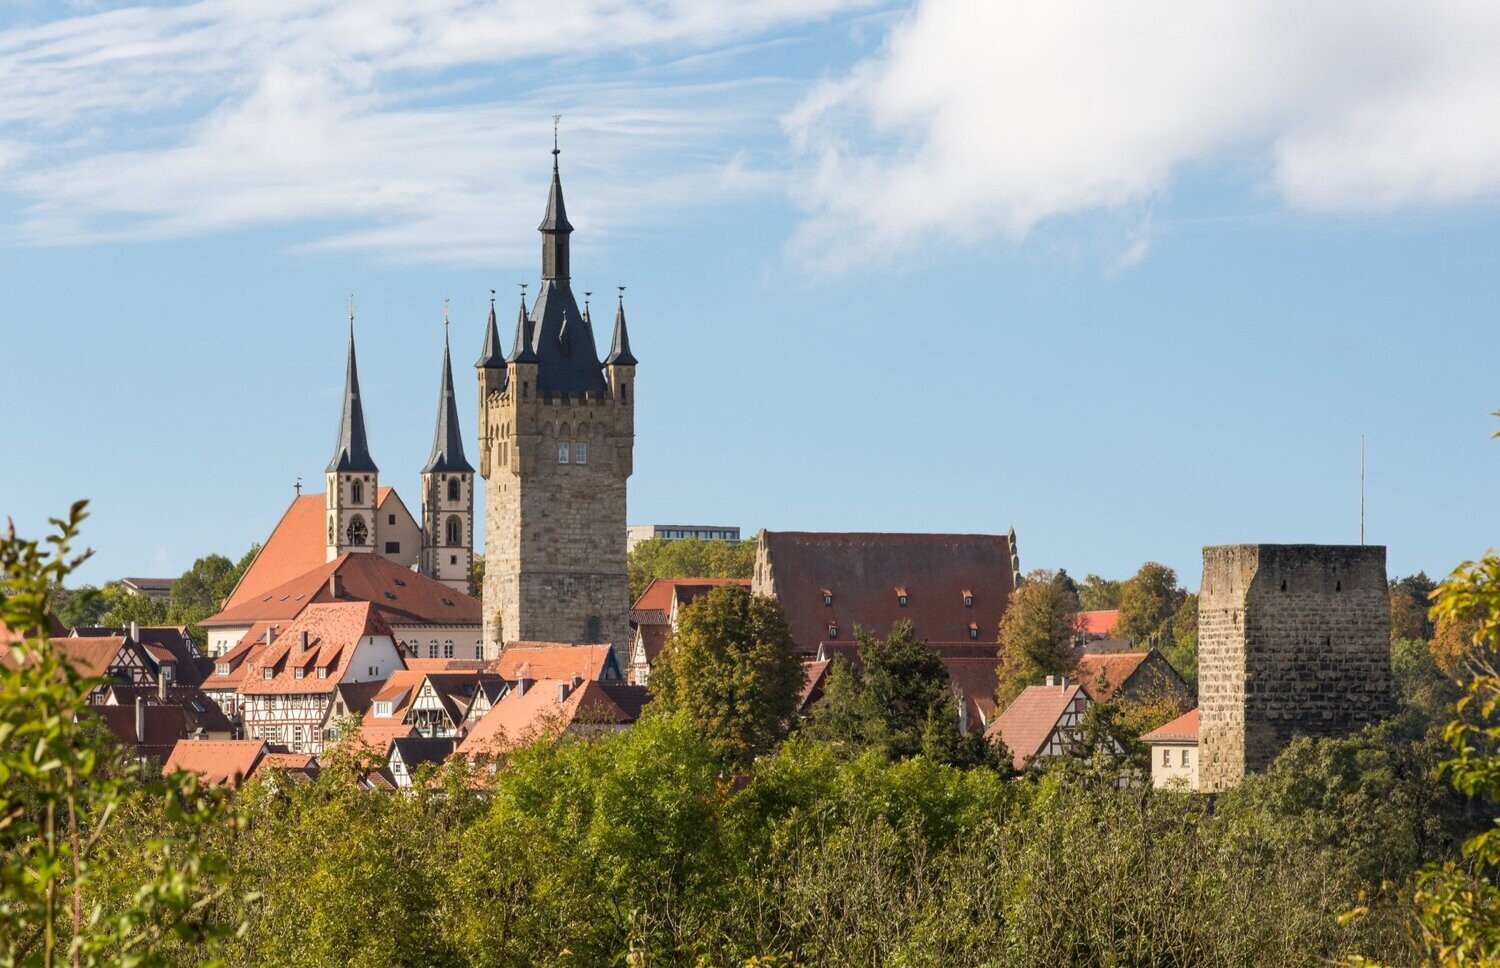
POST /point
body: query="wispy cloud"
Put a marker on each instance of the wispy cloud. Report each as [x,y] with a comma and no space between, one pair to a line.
[415,128]
[985,117]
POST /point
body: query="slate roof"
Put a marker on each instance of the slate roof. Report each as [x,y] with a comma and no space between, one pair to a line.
[402,595]
[1031,718]
[619,349]
[563,341]
[491,355]
[520,350]
[418,750]
[863,572]
[447,441]
[1183,729]
[351,450]
[217,762]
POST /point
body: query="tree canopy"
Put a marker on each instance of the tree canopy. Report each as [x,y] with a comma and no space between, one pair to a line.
[1036,635]
[687,558]
[731,668]
[1148,602]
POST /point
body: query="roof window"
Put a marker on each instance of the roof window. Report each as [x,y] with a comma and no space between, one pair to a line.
[298,672]
[901,597]
[268,673]
[322,672]
[833,631]
[222,669]
[973,630]
[827,597]
[968,599]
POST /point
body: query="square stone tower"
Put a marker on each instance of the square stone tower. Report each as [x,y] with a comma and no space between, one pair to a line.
[557,434]
[1293,640]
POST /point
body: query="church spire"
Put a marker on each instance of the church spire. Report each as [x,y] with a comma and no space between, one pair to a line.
[555,227]
[522,351]
[619,350]
[447,443]
[491,355]
[351,450]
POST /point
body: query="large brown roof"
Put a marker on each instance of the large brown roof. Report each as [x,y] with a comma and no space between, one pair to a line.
[865,574]
[402,595]
[91,656]
[1031,718]
[1102,674]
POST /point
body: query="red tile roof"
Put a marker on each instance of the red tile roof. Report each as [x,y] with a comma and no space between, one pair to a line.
[863,571]
[91,657]
[402,595]
[974,680]
[815,672]
[663,592]
[297,545]
[163,727]
[1100,622]
[216,761]
[333,632]
[653,640]
[302,766]
[520,718]
[553,660]
[1102,674]
[1030,719]
[1183,729]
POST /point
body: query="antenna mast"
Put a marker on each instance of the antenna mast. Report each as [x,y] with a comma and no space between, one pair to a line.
[1361,489]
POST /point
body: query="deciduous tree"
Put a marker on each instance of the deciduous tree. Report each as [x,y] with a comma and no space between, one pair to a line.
[687,558]
[1148,600]
[1036,636]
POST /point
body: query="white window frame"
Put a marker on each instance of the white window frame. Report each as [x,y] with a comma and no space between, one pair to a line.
[563,450]
[580,452]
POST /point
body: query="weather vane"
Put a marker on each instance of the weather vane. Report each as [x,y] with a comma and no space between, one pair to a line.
[445,314]
[523,289]
[586,295]
[622,293]
[351,309]
[556,118]
[492,299]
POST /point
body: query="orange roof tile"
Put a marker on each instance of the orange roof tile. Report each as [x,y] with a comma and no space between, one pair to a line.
[1099,622]
[1031,718]
[402,595]
[217,762]
[663,592]
[333,632]
[297,545]
[538,713]
[1183,729]
[90,656]
[553,660]
[815,674]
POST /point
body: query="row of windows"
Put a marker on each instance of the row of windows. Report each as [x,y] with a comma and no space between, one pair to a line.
[833,631]
[448,650]
[1166,757]
[358,535]
[701,535]
[579,450]
[902,598]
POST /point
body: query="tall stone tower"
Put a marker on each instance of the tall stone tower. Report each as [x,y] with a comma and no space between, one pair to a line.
[1292,640]
[448,494]
[557,431]
[353,478]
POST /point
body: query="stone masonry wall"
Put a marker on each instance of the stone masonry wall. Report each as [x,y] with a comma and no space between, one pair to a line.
[1293,640]
[555,533]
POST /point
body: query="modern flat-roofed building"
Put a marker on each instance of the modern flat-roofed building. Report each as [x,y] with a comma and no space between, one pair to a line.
[636,533]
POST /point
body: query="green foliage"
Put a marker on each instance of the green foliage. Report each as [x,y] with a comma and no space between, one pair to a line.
[898,706]
[64,786]
[1036,635]
[1182,650]
[731,667]
[1148,602]
[1063,580]
[1417,683]
[1098,594]
[1409,602]
[122,606]
[687,558]
[79,607]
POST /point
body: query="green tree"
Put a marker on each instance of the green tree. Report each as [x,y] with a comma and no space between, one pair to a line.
[1069,587]
[1097,594]
[203,588]
[1182,652]
[730,666]
[63,784]
[79,607]
[1036,636]
[123,606]
[1409,602]
[687,558]
[1148,601]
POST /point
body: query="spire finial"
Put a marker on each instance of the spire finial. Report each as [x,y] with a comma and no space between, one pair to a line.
[586,294]
[556,118]
[351,312]
[445,319]
[298,486]
[523,286]
[492,299]
[622,294]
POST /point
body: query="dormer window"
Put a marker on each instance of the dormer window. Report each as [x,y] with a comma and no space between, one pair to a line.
[901,597]
[968,599]
[833,631]
[221,669]
[322,672]
[973,631]
[298,672]
[827,597]
[268,673]
[384,708]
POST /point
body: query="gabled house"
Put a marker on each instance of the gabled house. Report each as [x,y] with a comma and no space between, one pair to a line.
[201,717]
[1043,721]
[408,754]
[550,709]
[1174,753]
[169,650]
[1134,676]
[217,762]
[287,687]
[654,615]
[116,658]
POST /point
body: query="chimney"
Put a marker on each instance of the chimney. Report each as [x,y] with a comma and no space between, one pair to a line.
[562,693]
[161,686]
[140,720]
[270,634]
[303,640]
[522,684]
[1062,682]
[577,680]
[135,631]
[335,585]
[1052,680]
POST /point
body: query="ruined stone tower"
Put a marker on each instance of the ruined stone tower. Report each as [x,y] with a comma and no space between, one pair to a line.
[1293,640]
[556,430]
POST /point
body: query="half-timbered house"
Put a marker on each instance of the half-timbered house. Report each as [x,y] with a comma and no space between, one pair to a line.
[1043,721]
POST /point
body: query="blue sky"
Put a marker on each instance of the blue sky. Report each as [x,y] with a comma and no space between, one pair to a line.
[1127,282]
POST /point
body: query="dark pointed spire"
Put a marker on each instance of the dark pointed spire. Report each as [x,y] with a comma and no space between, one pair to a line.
[351,451]
[522,352]
[555,227]
[492,356]
[447,442]
[619,350]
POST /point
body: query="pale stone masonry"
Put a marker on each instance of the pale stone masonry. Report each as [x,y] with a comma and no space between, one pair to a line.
[557,433]
[1293,640]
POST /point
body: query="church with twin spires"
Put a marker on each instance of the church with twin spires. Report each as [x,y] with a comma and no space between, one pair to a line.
[556,435]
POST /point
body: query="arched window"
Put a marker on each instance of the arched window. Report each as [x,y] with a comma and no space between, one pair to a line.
[453,493]
[432,649]
[454,532]
[332,532]
[448,649]
[359,535]
[357,492]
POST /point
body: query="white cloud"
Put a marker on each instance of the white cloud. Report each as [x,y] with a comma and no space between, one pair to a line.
[418,128]
[985,117]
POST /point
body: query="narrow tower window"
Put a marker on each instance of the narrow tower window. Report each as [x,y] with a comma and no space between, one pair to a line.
[454,535]
[562,453]
[453,489]
[357,492]
[580,453]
